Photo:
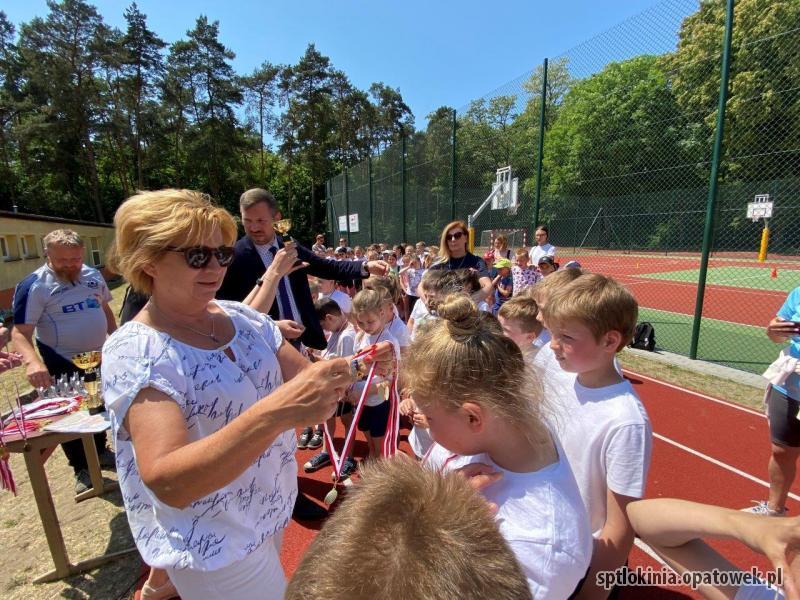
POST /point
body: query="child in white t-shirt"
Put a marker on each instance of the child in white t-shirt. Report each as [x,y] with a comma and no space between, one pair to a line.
[341,343]
[389,289]
[601,424]
[327,289]
[543,358]
[369,310]
[482,406]
[519,318]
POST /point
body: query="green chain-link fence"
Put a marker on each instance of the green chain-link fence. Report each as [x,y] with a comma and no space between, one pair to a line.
[628,169]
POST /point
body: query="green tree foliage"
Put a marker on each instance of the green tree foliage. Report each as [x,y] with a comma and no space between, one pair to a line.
[764,105]
[89,114]
[616,133]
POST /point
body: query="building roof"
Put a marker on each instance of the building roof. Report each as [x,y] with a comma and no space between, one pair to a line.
[29,217]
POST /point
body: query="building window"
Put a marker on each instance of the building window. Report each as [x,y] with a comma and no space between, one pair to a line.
[29,246]
[9,247]
[94,250]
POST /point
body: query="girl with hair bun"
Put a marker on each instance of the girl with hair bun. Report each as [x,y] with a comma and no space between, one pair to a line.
[484,406]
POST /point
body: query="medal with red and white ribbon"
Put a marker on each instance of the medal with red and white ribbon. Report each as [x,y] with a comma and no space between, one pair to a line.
[392,425]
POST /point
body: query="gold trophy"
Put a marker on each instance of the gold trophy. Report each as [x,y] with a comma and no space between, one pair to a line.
[88,362]
[282,228]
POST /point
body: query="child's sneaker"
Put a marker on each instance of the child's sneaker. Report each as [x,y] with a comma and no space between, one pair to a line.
[348,468]
[762,508]
[302,442]
[316,440]
[317,462]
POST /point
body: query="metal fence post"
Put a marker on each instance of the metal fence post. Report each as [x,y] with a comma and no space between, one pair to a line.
[453,170]
[708,230]
[347,205]
[537,200]
[328,201]
[371,209]
[403,184]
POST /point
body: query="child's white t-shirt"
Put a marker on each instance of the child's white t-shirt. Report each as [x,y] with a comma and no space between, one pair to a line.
[542,518]
[607,437]
[399,330]
[341,343]
[364,341]
[343,300]
[420,440]
[419,314]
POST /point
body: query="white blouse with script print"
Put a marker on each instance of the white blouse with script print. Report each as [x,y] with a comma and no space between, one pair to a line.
[211,390]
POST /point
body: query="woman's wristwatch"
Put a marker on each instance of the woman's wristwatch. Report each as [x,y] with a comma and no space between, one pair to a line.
[358,370]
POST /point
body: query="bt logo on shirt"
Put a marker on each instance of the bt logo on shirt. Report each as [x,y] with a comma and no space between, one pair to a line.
[91,302]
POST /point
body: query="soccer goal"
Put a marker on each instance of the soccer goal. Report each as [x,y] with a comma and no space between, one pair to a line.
[517,238]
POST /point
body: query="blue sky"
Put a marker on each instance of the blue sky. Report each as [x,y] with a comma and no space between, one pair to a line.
[436,52]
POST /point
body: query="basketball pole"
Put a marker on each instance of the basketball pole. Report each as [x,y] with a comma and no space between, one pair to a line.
[762,251]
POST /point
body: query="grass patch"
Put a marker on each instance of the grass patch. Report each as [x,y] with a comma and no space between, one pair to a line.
[717,387]
[739,346]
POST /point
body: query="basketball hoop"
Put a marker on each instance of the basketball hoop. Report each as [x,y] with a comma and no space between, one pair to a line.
[761,208]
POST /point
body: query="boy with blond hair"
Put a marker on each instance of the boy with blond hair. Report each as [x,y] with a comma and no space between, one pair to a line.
[519,318]
[543,358]
[411,533]
[602,425]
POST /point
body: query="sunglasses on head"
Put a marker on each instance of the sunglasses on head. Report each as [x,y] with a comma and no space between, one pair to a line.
[454,236]
[198,257]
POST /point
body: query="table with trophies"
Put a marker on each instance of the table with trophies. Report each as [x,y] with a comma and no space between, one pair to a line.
[36,429]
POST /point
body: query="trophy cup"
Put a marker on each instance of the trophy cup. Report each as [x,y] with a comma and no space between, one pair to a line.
[282,228]
[88,362]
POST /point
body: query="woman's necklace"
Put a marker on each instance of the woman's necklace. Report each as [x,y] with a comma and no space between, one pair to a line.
[211,335]
[460,263]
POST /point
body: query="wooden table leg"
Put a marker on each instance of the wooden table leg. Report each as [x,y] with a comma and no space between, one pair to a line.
[93,463]
[47,512]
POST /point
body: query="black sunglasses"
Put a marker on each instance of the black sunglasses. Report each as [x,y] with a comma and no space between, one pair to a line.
[197,257]
[454,236]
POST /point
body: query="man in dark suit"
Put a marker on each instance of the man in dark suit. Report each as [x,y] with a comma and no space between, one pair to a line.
[293,304]
[254,252]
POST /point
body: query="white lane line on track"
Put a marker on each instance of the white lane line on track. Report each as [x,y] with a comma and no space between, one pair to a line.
[650,552]
[698,394]
[718,463]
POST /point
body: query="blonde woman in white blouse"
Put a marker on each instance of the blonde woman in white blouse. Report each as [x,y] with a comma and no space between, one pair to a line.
[204,401]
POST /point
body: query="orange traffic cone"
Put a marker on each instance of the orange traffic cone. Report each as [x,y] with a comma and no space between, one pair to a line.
[774,273]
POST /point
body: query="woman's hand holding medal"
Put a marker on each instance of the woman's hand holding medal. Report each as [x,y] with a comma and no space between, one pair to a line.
[315,393]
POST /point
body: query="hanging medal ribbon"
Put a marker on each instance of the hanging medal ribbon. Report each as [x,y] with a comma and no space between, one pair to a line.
[338,459]
[391,440]
[6,477]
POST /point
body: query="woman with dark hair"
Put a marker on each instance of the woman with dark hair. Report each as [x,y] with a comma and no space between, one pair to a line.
[453,254]
[543,246]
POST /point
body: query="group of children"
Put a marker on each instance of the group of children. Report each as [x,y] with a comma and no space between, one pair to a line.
[531,398]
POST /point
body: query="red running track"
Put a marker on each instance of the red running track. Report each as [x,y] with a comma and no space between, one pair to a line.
[737,439]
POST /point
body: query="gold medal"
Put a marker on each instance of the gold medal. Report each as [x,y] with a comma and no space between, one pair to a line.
[331,496]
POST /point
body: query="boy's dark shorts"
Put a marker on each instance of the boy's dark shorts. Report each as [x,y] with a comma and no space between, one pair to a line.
[343,408]
[374,418]
[784,428]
